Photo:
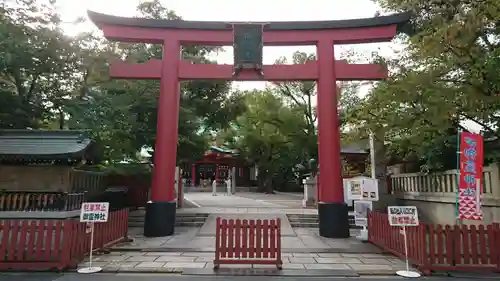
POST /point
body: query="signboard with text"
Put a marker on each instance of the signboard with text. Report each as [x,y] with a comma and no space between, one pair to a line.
[94,212]
[471,176]
[362,188]
[361,210]
[403,215]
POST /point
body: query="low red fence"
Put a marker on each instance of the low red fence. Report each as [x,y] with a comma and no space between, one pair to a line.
[28,244]
[248,242]
[440,248]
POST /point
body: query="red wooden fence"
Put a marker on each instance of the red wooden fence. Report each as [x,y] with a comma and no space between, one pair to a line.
[248,242]
[27,244]
[440,248]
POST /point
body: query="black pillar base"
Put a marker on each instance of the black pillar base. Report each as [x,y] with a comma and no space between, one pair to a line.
[333,220]
[160,219]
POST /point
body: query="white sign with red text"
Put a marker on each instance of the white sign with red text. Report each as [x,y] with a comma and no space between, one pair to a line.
[403,215]
[94,212]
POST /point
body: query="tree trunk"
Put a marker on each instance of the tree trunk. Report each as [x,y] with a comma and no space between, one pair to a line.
[61,120]
[264,182]
[385,198]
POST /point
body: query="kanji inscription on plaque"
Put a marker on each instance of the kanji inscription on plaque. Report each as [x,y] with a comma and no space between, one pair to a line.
[248,46]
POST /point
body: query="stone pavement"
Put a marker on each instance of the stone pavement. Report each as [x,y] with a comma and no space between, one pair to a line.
[192,248]
[303,240]
[246,200]
[125,276]
[208,229]
[178,262]
[304,250]
[246,210]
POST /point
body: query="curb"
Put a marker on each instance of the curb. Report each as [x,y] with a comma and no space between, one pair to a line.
[139,270]
[180,271]
[192,202]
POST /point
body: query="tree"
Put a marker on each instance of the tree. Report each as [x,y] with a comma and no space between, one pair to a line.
[266,134]
[300,96]
[446,75]
[123,114]
[37,64]
[52,81]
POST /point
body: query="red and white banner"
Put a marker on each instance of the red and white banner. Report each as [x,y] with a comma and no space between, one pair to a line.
[471,176]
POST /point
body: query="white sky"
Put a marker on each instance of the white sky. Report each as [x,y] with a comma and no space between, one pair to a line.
[231,10]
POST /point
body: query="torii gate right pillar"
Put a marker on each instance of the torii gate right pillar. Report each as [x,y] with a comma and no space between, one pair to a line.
[332,210]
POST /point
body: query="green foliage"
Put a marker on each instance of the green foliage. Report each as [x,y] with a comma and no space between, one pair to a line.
[446,78]
[276,129]
[125,169]
[52,81]
[37,64]
[267,134]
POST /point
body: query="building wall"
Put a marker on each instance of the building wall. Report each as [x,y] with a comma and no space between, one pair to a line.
[34,178]
[435,194]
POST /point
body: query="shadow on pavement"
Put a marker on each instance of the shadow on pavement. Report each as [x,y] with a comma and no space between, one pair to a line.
[35,276]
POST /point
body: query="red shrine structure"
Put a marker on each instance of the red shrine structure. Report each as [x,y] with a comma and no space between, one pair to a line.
[217,163]
[248,40]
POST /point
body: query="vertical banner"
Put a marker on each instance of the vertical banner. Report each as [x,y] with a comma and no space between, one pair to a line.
[471,176]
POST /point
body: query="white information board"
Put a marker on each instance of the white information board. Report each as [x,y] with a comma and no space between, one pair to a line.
[348,201]
[354,189]
[369,190]
[361,210]
[403,215]
[94,212]
[362,188]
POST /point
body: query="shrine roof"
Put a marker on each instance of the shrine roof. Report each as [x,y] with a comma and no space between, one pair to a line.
[355,148]
[399,19]
[42,145]
[223,150]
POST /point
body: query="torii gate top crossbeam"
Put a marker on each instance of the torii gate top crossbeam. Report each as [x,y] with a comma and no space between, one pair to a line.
[400,19]
[352,31]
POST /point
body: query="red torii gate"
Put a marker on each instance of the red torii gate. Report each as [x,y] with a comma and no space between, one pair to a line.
[172,34]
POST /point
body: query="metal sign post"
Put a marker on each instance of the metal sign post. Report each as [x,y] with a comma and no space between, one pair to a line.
[90,269]
[90,214]
[407,273]
[403,216]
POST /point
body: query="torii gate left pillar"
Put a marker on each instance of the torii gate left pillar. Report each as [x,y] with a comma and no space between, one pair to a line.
[333,212]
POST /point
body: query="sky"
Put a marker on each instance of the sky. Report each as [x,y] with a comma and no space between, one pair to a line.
[230,10]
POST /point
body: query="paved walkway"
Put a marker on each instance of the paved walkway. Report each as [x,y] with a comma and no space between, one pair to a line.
[244,200]
[189,249]
[304,240]
[208,229]
[129,276]
[178,262]
[236,210]
[193,247]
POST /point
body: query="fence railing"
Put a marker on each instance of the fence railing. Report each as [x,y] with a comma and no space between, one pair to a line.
[440,248]
[248,242]
[27,244]
[445,182]
[87,181]
[25,201]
